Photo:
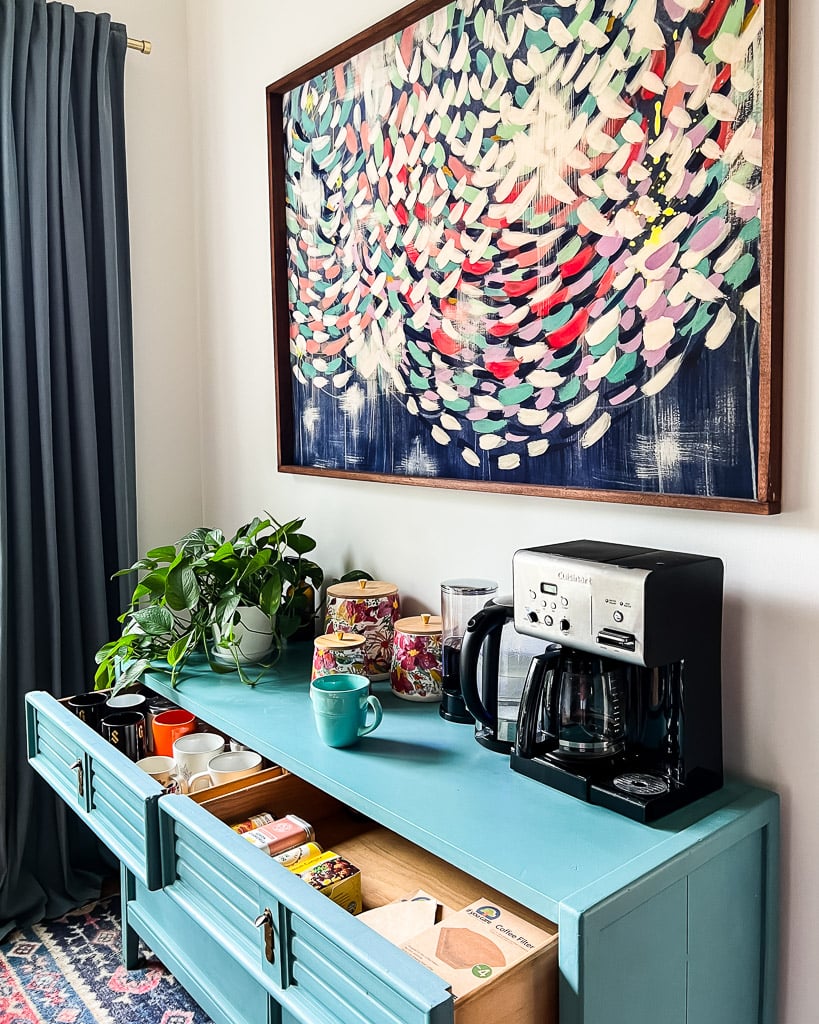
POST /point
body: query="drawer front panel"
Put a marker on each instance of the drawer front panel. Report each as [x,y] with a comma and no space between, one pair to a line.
[114,797]
[315,959]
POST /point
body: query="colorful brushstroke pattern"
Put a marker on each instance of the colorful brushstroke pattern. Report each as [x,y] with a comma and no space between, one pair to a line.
[523,243]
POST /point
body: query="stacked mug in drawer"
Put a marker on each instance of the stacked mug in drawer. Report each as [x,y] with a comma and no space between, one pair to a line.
[499,958]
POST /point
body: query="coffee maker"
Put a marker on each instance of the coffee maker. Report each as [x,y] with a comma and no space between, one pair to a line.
[627,714]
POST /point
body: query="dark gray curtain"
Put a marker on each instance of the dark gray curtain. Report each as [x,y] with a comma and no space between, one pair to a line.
[67,478]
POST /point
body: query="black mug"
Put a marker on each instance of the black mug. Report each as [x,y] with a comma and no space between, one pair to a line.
[90,707]
[125,730]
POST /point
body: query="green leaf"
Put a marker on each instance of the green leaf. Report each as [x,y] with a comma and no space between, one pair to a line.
[167,553]
[181,588]
[224,610]
[154,620]
[301,543]
[178,650]
[260,559]
[270,598]
[225,551]
[153,583]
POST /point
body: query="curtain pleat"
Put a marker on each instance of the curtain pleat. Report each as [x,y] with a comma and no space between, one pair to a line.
[67,488]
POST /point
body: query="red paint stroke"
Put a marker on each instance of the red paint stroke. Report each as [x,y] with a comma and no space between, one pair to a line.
[570,332]
[341,84]
[351,139]
[658,66]
[446,346]
[722,141]
[502,330]
[401,214]
[421,211]
[384,190]
[573,266]
[514,289]
[545,307]
[407,43]
[503,368]
[364,133]
[713,19]
[675,97]
[721,78]
[477,268]
[334,347]
[606,282]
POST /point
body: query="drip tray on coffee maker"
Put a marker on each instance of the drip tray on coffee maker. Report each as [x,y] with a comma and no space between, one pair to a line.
[641,784]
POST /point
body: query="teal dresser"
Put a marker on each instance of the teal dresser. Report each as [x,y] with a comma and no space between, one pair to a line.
[673,923]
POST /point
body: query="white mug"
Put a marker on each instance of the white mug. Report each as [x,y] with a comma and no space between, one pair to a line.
[158,767]
[227,767]
[192,753]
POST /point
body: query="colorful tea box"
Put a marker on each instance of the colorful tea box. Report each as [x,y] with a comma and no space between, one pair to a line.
[280,835]
[335,877]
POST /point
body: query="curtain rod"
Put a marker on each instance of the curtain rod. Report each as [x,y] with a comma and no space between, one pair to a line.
[143,45]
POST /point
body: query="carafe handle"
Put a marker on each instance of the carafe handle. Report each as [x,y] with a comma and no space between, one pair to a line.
[488,622]
[526,742]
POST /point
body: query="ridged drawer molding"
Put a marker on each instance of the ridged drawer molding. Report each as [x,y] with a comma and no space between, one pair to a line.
[318,962]
[116,799]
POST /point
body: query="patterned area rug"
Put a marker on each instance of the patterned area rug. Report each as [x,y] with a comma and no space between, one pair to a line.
[69,971]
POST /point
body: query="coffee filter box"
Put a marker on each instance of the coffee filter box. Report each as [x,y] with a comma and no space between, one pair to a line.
[485,952]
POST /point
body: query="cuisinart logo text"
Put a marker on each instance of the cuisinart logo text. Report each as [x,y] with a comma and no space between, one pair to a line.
[491,914]
[573,577]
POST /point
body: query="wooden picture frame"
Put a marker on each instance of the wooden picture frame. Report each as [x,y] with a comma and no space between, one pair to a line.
[690,376]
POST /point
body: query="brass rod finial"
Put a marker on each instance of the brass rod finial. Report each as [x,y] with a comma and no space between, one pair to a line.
[143,45]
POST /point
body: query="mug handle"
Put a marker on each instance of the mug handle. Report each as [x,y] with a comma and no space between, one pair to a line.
[196,778]
[374,705]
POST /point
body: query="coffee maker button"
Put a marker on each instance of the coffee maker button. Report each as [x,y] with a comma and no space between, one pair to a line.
[565,625]
[618,616]
[565,602]
[554,605]
[548,620]
[531,616]
[533,594]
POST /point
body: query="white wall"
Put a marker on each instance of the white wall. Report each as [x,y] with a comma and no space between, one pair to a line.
[417,536]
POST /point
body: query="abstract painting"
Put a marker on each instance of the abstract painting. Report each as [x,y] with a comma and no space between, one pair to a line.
[524,247]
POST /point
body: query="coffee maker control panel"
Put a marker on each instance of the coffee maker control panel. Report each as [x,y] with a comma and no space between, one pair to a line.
[593,607]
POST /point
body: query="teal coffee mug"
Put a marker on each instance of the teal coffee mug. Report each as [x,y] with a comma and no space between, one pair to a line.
[341,708]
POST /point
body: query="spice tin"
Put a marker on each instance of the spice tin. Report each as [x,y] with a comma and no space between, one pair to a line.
[338,652]
[299,855]
[280,835]
[369,608]
[255,822]
[416,658]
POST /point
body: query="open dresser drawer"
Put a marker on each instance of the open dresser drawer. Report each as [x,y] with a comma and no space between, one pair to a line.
[316,960]
[115,798]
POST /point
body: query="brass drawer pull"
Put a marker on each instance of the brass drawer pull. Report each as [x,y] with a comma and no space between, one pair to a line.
[266,919]
[77,767]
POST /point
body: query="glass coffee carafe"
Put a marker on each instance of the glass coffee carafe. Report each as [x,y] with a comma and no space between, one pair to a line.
[460,600]
[573,707]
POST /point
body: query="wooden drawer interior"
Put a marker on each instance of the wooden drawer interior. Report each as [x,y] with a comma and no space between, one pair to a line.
[391,868]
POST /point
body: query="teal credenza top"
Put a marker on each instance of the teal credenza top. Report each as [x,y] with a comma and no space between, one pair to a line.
[430,781]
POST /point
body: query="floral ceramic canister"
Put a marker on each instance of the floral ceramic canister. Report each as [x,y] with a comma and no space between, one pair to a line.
[338,652]
[370,608]
[416,658]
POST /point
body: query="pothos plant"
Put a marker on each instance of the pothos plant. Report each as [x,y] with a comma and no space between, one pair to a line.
[201,582]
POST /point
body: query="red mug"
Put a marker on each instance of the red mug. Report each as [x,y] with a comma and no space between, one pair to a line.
[168,727]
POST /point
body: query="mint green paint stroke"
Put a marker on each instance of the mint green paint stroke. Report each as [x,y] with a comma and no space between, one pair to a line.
[569,390]
[515,395]
[488,426]
[622,368]
[740,271]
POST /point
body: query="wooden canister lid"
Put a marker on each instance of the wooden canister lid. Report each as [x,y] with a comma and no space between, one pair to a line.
[338,641]
[420,625]
[361,590]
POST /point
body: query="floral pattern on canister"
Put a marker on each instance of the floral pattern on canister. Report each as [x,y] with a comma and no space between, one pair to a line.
[371,611]
[334,653]
[416,660]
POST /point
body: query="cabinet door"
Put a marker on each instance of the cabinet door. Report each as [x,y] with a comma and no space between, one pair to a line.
[114,797]
[319,963]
